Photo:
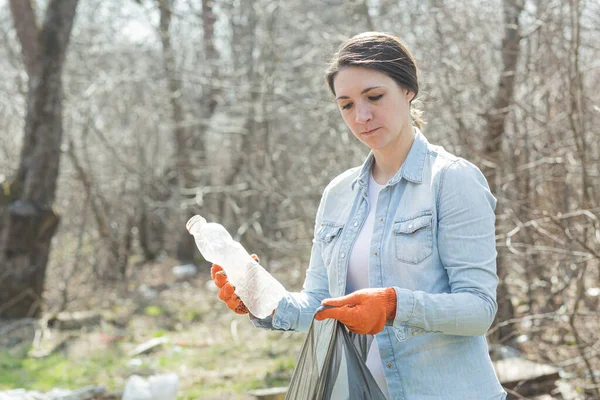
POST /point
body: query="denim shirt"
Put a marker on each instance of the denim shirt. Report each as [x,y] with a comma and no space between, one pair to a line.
[434,243]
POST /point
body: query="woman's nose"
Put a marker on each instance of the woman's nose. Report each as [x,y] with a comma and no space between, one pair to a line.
[363,114]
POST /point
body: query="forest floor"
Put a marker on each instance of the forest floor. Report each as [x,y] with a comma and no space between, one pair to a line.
[215,353]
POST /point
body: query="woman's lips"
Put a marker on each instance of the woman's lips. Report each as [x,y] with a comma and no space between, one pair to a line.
[372,131]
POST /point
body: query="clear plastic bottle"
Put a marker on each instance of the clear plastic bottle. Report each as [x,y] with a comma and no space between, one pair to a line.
[256,287]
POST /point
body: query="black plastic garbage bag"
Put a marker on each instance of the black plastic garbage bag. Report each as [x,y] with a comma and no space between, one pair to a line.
[332,366]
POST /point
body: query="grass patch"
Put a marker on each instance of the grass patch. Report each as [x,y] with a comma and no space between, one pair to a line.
[216,354]
[153,311]
[57,370]
[227,368]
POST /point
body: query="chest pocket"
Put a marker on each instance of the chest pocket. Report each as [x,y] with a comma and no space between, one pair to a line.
[327,234]
[414,238]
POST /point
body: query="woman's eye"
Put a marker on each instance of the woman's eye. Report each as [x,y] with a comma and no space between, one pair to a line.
[375,98]
[346,106]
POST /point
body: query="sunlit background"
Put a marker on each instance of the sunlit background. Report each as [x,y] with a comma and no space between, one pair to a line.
[172,108]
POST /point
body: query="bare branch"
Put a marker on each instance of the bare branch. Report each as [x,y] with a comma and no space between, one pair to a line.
[28,32]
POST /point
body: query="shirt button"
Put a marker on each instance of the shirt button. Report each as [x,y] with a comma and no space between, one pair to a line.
[343,255]
[375,254]
[380,219]
[390,365]
[356,224]
[410,226]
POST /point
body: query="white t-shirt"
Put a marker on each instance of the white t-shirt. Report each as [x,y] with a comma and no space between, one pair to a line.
[358,277]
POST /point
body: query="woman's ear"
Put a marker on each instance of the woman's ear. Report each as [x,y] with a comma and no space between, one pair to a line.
[410,95]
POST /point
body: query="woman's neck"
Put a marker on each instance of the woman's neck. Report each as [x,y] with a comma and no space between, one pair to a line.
[389,159]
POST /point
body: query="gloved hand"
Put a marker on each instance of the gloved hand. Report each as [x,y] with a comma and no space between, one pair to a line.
[364,311]
[227,290]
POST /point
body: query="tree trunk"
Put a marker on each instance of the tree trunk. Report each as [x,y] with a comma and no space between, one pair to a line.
[27,220]
[496,121]
[210,90]
[185,177]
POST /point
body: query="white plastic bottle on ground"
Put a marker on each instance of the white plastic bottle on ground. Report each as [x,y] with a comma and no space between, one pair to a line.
[257,288]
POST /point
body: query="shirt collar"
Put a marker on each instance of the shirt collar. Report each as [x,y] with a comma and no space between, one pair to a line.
[411,169]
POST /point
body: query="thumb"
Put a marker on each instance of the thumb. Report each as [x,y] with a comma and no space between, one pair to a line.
[334,313]
[339,301]
[214,270]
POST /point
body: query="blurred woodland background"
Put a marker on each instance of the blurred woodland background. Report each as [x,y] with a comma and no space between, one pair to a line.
[122,118]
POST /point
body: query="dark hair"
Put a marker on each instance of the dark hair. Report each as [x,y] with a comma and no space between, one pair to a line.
[381,52]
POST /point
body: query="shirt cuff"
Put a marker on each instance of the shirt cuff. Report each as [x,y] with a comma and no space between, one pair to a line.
[405,307]
[265,323]
[282,317]
[403,325]
[278,321]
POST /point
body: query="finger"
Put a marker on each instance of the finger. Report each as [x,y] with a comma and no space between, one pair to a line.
[233,302]
[227,292]
[220,279]
[255,258]
[334,313]
[339,301]
[241,308]
[214,269]
[236,305]
[357,328]
[347,315]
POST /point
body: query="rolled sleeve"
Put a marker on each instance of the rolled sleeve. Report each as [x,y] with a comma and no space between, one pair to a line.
[405,306]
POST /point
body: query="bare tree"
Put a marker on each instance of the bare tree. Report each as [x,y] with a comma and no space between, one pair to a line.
[27,220]
[496,119]
[181,135]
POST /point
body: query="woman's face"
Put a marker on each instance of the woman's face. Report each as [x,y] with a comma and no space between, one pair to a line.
[374,106]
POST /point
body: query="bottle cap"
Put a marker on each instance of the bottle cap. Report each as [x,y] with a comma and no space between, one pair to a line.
[196,218]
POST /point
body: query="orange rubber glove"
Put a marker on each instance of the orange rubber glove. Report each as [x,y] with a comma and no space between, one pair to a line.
[364,311]
[227,290]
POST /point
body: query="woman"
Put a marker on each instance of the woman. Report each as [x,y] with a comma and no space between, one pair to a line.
[404,245]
